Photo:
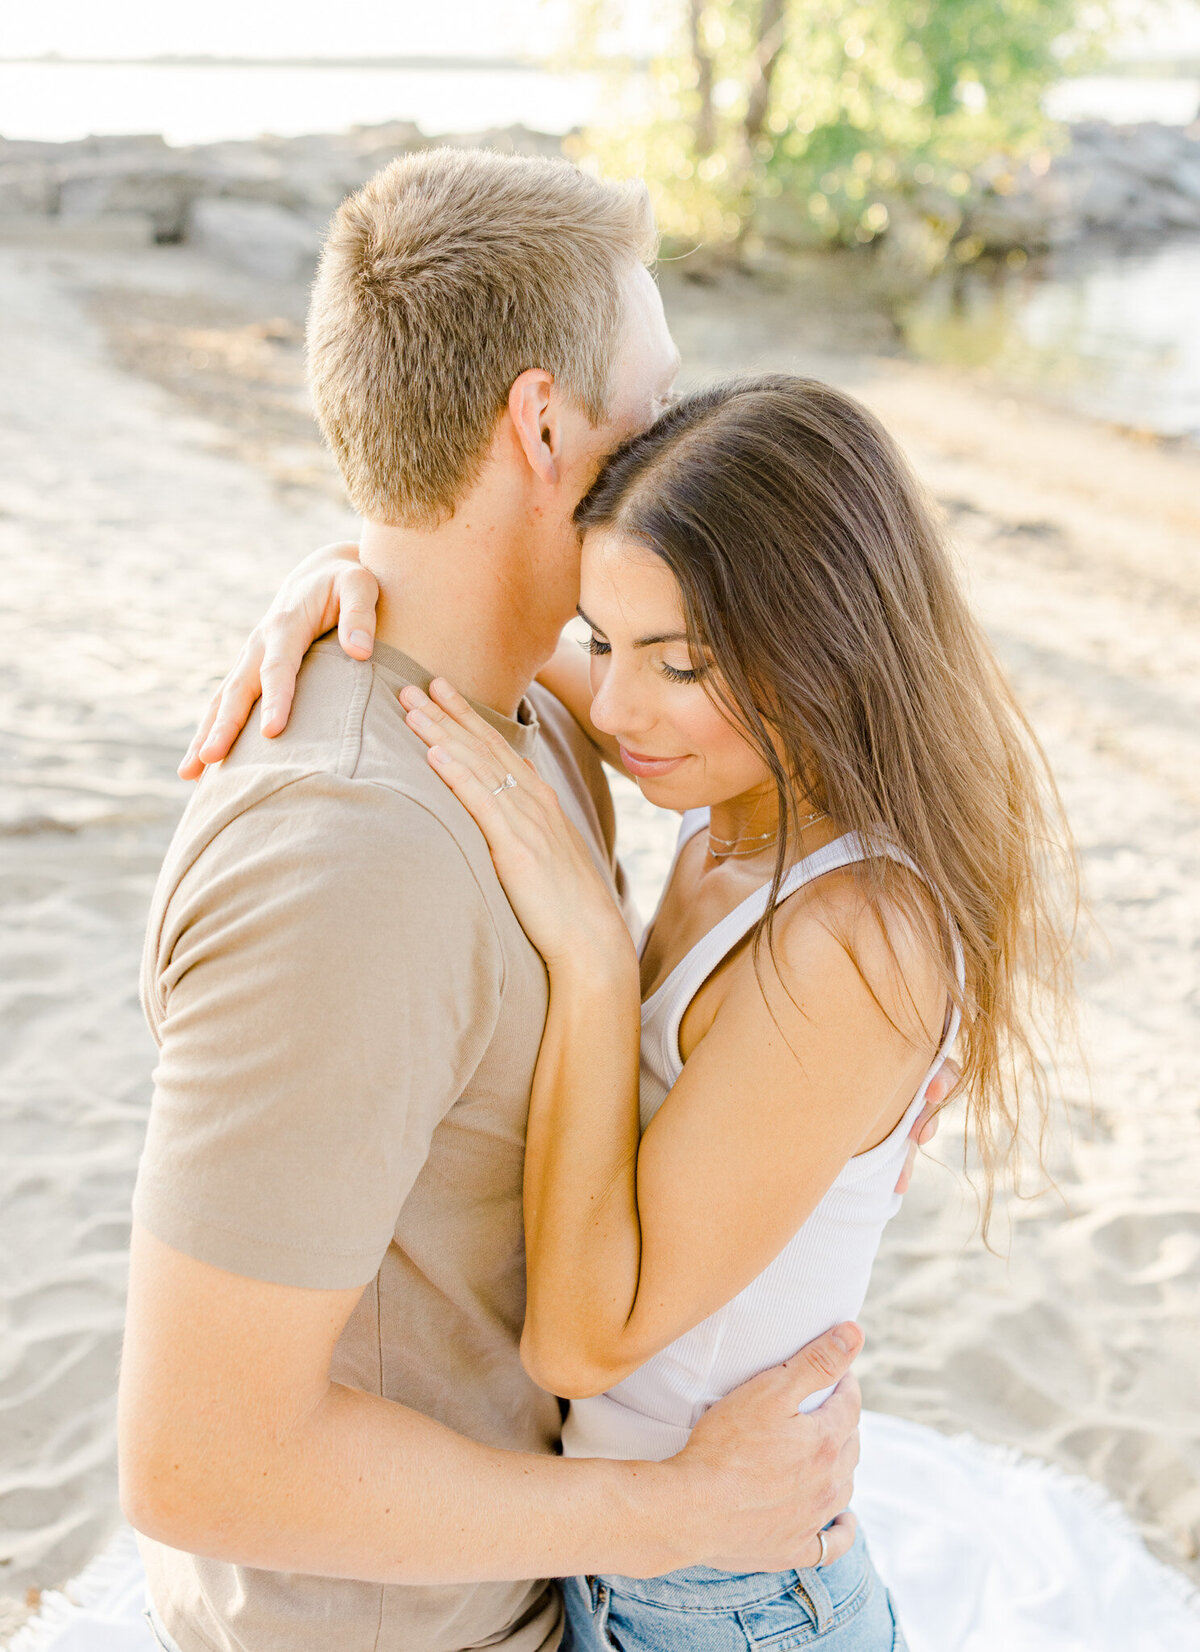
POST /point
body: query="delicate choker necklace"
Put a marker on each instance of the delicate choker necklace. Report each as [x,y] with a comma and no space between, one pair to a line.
[727,848]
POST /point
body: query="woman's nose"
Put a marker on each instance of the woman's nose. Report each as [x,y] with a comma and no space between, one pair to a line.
[614,707]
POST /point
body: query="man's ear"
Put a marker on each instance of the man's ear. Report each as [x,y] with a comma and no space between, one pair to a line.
[535,414]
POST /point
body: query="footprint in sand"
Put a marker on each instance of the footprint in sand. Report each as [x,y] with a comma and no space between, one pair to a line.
[1149,1246]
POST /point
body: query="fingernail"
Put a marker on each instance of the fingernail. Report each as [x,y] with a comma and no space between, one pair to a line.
[360,639]
[846,1338]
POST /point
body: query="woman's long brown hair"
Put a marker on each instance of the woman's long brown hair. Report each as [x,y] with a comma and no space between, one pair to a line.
[822,602]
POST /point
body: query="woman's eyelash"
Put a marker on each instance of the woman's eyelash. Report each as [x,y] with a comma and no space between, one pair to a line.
[595,645]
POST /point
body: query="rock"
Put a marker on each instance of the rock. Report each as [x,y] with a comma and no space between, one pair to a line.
[1107,199]
[509,140]
[259,237]
[1185,175]
[913,248]
[27,187]
[143,145]
[247,172]
[94,189]
[1126,181]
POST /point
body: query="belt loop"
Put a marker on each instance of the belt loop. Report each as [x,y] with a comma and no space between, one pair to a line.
[811,1587]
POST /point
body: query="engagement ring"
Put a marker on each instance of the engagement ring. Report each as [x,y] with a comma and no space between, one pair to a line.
[509,780]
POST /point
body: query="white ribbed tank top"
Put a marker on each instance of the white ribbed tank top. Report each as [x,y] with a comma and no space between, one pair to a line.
[819,1278]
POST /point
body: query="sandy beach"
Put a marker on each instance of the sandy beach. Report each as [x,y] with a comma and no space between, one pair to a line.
[159,471]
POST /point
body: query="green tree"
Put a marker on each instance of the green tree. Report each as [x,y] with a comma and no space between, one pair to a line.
[839,120]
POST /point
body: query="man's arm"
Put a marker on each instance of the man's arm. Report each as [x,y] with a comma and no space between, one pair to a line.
[234,1443]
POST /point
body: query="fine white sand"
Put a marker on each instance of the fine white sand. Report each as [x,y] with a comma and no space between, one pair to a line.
[142,528]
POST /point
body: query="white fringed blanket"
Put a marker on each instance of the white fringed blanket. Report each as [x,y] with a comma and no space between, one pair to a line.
[984,1551]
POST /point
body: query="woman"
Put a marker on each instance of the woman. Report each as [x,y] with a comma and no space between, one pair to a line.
[780,653]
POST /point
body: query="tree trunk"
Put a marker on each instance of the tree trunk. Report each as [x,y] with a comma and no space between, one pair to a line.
[706,119]
[768,46]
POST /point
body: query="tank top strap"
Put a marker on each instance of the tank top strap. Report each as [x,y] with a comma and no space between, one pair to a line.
[665,1008]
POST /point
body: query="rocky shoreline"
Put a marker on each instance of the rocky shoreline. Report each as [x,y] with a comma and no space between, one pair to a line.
[261,205]
[1133,183]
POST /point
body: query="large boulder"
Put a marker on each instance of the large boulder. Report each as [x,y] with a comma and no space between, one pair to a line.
[245,172]
[259,237]
[324,169]
[117,186]
[100,175]
[27,186]
[1185,174]
[1131,182]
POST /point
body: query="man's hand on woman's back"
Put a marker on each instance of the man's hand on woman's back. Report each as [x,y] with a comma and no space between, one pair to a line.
[769,1478]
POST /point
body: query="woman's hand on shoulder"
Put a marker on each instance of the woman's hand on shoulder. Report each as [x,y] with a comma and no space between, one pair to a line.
[548,873]
[330,587]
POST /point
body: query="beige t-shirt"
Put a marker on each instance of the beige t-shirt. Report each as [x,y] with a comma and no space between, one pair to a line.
[348,1016]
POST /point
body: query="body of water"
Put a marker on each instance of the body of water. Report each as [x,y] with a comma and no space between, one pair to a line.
[203,103]
[1115,335]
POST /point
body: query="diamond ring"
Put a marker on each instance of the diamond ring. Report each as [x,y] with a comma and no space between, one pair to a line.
[509,780]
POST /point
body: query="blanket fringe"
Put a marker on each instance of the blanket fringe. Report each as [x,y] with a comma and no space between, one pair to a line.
[83,1593]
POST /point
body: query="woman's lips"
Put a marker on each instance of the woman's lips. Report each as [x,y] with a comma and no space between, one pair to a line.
[649,768]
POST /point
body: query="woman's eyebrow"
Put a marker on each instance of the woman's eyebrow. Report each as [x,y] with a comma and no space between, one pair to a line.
[650,642]
[642,642]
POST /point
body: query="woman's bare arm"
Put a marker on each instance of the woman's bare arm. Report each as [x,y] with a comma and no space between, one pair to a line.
[629,1245]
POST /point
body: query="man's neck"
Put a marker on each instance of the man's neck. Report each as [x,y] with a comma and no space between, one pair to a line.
[456,599]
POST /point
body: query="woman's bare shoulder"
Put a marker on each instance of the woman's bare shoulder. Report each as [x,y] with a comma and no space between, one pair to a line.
[880,920]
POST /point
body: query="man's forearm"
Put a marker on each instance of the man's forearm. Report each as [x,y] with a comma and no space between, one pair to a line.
[368,1489]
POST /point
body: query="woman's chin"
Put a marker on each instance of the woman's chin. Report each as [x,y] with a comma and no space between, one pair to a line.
[666,792]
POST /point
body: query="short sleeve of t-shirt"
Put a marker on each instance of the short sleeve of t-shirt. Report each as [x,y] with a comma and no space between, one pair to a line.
[323,981]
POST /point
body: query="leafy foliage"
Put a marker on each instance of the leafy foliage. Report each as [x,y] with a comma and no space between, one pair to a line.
[839,120]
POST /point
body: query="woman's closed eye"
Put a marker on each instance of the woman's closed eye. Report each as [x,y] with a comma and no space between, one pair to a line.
[673,673]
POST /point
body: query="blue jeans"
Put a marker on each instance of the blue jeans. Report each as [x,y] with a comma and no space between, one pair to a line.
[156,1628]
[842,1607]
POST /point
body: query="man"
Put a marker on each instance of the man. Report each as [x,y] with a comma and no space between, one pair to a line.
[326,1434]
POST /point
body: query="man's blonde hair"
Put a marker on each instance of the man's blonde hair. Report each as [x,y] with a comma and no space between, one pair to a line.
[443,279]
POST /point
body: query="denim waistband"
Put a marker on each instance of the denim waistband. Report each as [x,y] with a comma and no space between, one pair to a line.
[702,1588]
